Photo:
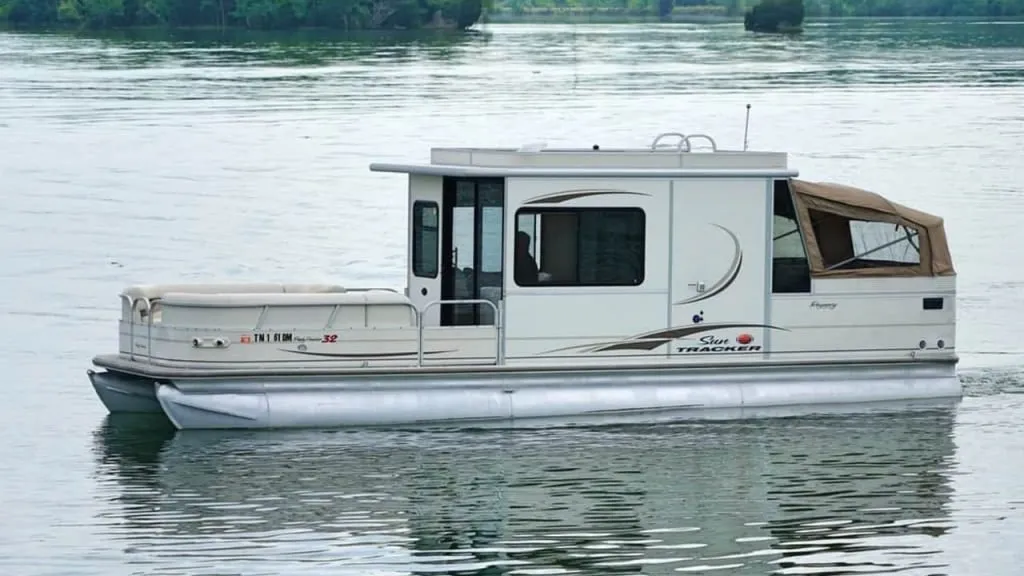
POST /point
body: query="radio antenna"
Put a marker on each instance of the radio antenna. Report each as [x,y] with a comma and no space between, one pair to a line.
[746,128]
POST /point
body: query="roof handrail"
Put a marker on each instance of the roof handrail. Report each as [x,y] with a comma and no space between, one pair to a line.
[679,146]
[684,141]
[714,147]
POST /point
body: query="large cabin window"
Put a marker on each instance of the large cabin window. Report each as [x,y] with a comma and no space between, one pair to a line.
[425,238]
[791,272]
[850,244]
[579,247]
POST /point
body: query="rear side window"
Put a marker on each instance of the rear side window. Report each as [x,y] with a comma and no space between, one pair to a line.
[425,237]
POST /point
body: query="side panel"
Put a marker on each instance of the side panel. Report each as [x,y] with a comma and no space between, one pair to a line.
[424,287]
[559,322]
[868,315]
[720,243]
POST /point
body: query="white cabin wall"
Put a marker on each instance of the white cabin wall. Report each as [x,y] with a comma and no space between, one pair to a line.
[543,319]
[427,188]
[706,212]
[859,315]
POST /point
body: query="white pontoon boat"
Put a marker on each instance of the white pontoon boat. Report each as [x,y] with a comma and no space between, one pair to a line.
[574,284]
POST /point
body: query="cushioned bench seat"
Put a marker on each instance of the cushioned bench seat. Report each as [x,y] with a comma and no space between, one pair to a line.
[153,291]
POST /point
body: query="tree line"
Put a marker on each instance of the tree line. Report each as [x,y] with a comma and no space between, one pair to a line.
[412,14]
[252,14]
[736,8]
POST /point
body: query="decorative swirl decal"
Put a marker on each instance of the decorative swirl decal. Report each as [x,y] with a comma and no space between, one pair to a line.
[725,281]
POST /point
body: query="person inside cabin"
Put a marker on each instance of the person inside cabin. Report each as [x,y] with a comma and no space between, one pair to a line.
[526,271]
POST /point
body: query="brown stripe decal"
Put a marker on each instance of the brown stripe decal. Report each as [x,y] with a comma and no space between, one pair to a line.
[566,195]
[653,340]
[365,355]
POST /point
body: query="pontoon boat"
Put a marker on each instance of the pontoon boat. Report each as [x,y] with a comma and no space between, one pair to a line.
[570,283]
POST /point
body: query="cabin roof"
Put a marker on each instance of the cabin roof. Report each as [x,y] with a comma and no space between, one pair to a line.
[496,172]
[656,161]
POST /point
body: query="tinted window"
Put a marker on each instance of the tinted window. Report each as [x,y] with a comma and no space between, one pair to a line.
[580,247]
[425,238]
[791,272]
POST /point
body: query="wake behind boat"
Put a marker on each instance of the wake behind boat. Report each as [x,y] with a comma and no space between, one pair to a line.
[570,283]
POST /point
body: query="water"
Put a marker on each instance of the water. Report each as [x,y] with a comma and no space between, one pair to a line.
[127,158]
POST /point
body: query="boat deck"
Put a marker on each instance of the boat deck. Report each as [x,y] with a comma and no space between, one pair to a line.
[144,368]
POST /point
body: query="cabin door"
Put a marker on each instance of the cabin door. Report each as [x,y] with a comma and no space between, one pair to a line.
[424,284]
[472,249]
[719,278]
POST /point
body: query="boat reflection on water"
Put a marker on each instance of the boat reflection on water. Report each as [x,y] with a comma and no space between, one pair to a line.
[827,494]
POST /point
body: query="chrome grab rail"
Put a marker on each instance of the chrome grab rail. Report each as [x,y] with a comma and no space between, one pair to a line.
[684,141]
[714,146]
[498,324]
[133,308]
[125,299]
[679,147]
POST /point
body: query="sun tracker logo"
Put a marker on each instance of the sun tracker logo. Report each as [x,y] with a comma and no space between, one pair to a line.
[711,344]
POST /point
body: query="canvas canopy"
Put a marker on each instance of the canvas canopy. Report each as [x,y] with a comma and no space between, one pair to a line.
[851,232]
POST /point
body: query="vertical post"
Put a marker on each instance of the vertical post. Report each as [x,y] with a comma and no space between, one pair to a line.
[419,339]
[501,331]
[149,330]
[131,328]
[746,127]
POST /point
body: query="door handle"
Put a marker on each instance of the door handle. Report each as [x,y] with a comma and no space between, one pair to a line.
[698,287]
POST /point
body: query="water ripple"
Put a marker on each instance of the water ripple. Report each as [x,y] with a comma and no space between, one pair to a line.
[865,492]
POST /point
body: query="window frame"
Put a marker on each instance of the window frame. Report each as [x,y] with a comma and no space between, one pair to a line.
[855,261]
[537,211]
[804,286]
[418,230]
[910,234]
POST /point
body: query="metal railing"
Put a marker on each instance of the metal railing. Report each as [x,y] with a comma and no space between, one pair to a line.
[498,322]
[133,308]
[684,141]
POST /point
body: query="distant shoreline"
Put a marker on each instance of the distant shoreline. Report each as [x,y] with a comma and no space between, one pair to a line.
[601,16]
[605,16]
[535,17]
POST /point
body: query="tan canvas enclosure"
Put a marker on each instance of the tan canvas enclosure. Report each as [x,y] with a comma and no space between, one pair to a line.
[851,232]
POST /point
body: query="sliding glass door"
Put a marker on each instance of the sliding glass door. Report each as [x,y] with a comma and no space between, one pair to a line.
[472,248]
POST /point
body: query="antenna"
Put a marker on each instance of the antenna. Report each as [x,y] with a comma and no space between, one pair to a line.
[746,127]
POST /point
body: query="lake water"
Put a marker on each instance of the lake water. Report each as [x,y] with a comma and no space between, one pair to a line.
[127,160]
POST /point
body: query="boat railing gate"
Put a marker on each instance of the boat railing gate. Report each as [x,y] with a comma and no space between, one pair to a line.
[499,324]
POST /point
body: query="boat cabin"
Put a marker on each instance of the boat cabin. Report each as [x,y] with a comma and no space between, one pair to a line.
[678,249]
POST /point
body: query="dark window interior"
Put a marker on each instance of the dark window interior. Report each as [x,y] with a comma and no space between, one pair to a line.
[791,272]
[425,236]
[472,242]
[848,244]
[580,247]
